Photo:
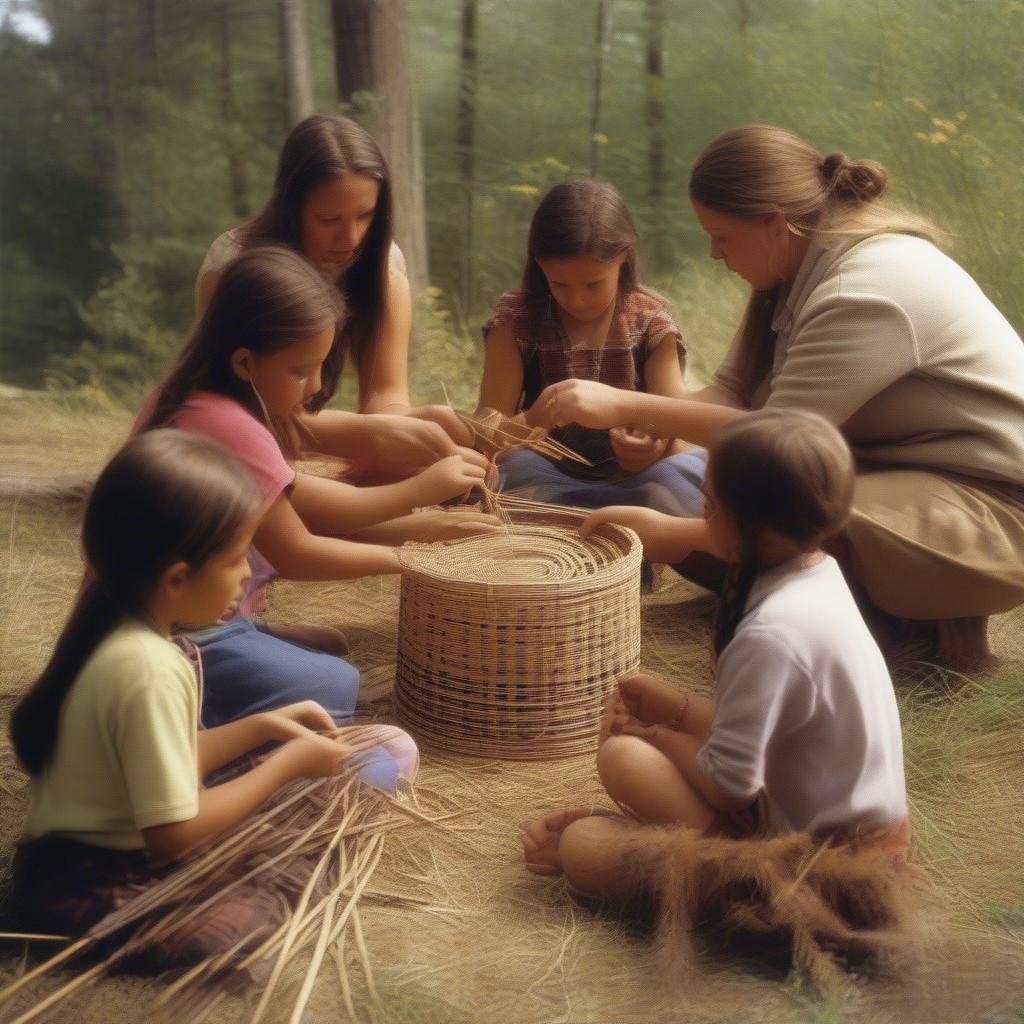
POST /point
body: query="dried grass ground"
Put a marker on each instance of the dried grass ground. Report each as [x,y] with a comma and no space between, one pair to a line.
[456,930]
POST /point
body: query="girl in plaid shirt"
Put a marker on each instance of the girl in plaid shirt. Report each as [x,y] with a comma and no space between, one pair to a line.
[582,313]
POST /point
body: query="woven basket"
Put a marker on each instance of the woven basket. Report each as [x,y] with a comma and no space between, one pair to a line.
[508,645]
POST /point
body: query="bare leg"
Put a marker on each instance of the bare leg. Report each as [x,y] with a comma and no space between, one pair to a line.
[586,847]
[641,778]
[593,859]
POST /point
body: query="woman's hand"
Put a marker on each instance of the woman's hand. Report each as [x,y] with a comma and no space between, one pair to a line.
[447,419]
[582,401]
[398,446]
[450,477]
[636,450]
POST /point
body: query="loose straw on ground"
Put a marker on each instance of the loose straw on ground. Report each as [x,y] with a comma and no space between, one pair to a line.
[313,850]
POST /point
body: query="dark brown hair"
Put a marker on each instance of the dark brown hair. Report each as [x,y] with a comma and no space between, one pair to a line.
[266,299]
[786,471]
[760,169]
[320,147]
[580,217]
[167,496]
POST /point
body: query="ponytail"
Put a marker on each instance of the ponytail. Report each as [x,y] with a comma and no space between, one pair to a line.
[36,718]
[787,472]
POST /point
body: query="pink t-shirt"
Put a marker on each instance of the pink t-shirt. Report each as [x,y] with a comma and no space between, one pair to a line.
[223,420]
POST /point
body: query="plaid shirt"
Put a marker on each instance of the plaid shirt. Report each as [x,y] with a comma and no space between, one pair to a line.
[639,324]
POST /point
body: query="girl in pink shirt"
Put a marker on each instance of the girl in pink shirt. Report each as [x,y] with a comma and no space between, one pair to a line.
[250,378]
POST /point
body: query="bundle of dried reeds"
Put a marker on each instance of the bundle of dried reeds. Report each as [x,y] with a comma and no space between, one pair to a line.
[508,644]
[494,432]
[825,902]
[309,854]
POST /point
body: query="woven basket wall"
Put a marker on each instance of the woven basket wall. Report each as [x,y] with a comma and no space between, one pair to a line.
[508,645]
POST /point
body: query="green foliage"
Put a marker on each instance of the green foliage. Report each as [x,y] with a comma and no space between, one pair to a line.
[127,353]
[446,360]
[125,153]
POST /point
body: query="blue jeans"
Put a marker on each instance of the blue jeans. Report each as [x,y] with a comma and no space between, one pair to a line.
[671,485]
[246,671]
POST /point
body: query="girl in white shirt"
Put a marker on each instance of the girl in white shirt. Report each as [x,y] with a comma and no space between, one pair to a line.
[803,736]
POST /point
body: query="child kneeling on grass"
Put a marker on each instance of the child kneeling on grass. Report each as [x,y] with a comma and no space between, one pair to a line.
[790,783]
[109,732]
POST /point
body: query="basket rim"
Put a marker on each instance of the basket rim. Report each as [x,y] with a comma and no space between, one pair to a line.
[626,537]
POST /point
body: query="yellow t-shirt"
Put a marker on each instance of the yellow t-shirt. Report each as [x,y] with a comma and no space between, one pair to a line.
[126,754]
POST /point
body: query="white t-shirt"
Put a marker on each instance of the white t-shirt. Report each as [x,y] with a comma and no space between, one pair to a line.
[126,756]
[805,714]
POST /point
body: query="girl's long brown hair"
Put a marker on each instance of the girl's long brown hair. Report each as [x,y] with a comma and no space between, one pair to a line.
[579,217]
[760,169]
[266,299]
[320,147]
[167,496]
[786,471]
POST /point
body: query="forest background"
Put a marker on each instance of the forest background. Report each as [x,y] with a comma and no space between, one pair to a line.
[133,132]
[136,131]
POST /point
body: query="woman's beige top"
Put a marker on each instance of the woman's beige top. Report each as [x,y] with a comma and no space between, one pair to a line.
[226,247]
[892,341]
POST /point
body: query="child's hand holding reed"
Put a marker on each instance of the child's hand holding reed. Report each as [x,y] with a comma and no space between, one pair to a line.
[652,700]
[447,478]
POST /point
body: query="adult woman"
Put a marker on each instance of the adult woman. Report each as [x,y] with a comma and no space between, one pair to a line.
[855,315]
[332,202]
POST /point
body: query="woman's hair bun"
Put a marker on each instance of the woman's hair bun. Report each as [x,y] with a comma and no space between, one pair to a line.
[857,181]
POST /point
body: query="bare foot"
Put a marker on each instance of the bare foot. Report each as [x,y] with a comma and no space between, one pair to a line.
[541,836]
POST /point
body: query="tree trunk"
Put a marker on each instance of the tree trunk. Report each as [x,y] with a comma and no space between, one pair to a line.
[237,177]
[151,39]
[600,53]
[655,110]
[296,60]
[371,61]
[465,143]
[109,146]
[742,16]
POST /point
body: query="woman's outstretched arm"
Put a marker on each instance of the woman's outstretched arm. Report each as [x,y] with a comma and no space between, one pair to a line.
[597,405]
